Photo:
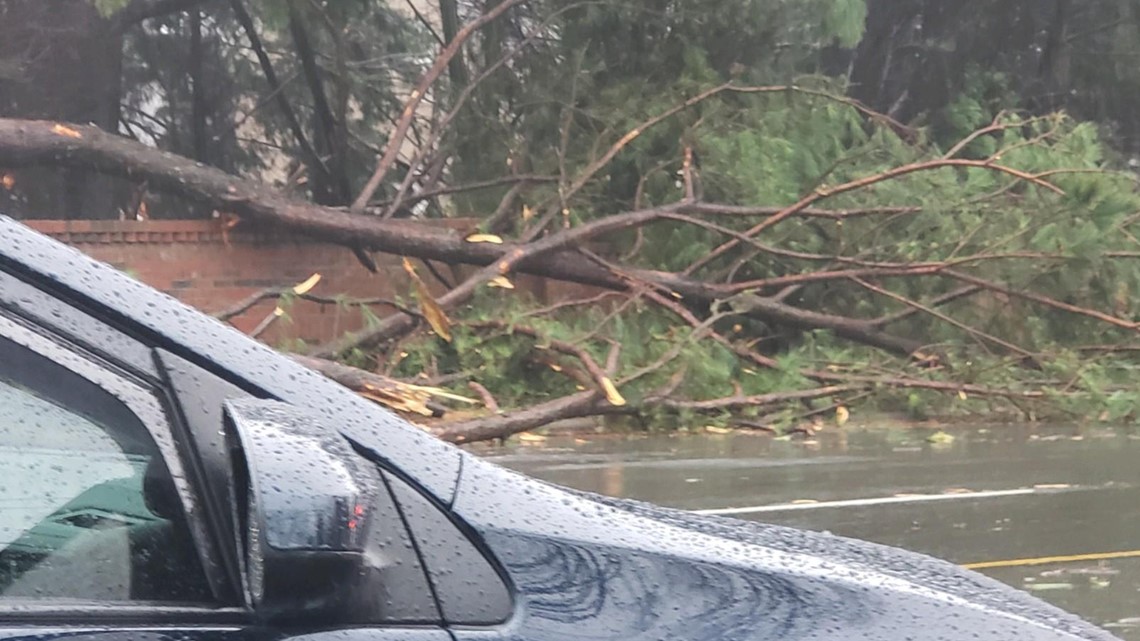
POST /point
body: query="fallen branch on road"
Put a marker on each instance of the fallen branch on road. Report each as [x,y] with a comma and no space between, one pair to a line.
[395,394]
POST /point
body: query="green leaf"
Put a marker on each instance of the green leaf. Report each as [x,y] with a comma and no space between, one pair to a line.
[845,20]
[1046,238]
[107,8]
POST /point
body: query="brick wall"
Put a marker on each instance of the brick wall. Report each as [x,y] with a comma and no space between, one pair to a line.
[195,262]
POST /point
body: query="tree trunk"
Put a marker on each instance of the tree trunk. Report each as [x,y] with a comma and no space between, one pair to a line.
[333,188]
[65,61]
[456,68]
[201,138]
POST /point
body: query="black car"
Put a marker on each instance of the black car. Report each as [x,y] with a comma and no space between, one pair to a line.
[165,477]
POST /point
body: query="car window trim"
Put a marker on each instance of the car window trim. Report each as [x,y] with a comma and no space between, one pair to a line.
[71,613]
[87,333]
[146,403]
[216,491]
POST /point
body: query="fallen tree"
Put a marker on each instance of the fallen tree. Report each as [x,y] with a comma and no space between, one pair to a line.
[562,254]
[910,275]
[33,143]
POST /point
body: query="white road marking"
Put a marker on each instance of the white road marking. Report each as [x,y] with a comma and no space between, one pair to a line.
[885,500]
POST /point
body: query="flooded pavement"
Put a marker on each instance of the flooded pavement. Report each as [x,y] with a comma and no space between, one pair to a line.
[1052,511]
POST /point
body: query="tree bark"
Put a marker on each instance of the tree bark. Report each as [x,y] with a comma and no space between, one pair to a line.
[199,134]
[392,393]
[332,189]
[502,426]
[65,63]
[456,67]
[279,96]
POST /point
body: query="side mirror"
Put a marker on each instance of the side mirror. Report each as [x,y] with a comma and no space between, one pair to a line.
[303,503]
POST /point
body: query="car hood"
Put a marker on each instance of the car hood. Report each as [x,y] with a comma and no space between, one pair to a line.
[587,566]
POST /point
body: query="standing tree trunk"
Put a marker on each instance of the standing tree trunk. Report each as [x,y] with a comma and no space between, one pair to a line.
[198,90]
[63,62]
[456,68]
[330,187]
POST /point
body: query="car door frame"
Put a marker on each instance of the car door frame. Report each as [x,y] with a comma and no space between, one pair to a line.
[162,322]
[62,325]
[85,300]
[146,400]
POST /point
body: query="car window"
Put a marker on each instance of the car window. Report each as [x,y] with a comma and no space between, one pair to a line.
[88,508]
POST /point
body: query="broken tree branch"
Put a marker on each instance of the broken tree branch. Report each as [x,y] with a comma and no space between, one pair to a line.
[559,255]
[944,299]
[544,342]
[717,209]
[591,170]
[578,405]
[392,393]
[275,293]
[862,183]
[972,331]
[1043,300]
[737,401]
[396,138]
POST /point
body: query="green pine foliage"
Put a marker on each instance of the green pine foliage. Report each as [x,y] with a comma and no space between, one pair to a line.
[772,149]
[583,76]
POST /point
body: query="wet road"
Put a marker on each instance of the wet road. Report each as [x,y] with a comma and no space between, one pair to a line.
[1004,497]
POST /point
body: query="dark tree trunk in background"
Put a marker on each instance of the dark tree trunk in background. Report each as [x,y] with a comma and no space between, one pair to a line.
[330,185]
[467,137]
[917,56]
[456,68]
[1054,66]
[200,134]
[60,60]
